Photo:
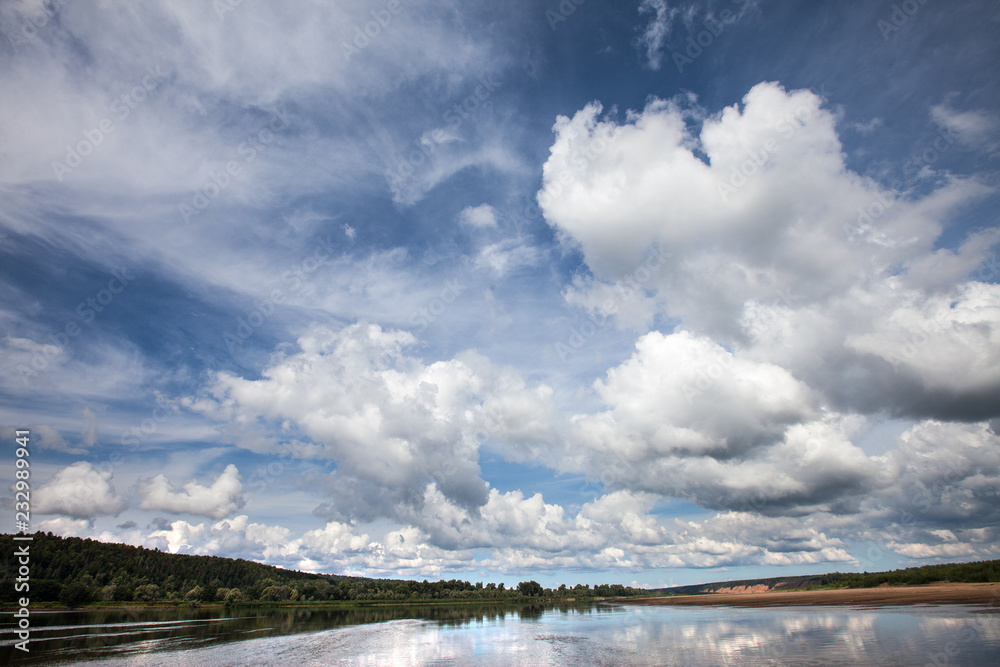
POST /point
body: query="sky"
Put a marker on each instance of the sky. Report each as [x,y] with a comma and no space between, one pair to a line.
[645,292]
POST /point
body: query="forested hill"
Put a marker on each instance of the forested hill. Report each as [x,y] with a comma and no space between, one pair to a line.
[77,571]
[980,571]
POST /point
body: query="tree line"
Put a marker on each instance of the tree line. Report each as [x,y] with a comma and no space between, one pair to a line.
[74,571]
[975,572]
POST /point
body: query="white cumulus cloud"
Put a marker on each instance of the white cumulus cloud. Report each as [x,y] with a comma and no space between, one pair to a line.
[80,491]
[222,498]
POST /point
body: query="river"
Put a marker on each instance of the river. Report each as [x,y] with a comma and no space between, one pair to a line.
[540,635]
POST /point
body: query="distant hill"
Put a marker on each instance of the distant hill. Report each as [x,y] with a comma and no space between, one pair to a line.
[772,583]
[980,571]
[74,571]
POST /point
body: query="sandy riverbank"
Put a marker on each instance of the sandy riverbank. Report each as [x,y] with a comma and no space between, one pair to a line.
[938,593]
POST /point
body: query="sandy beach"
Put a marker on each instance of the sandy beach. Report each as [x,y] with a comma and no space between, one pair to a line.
[938,593]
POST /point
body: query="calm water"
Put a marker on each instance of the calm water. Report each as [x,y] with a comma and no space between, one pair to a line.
[535,636]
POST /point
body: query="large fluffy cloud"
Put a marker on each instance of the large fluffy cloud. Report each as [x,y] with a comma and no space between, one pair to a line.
[943,475]
[780,250]
[949,344]
[671,389]
[772,204]
[692,419]
[391,423]
[222,498]
[684,417]
[810,302]
[80,491]
[807,303]
[613,531]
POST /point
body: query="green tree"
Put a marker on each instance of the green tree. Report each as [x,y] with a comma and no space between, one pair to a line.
[108,593]
[529,588]
[76,594]
[147,593]
[276,593]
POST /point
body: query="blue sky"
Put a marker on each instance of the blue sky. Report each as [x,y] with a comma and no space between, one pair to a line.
[645,292]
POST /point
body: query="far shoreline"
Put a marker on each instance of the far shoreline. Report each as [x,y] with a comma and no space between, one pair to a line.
[167,605]
[979,594]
